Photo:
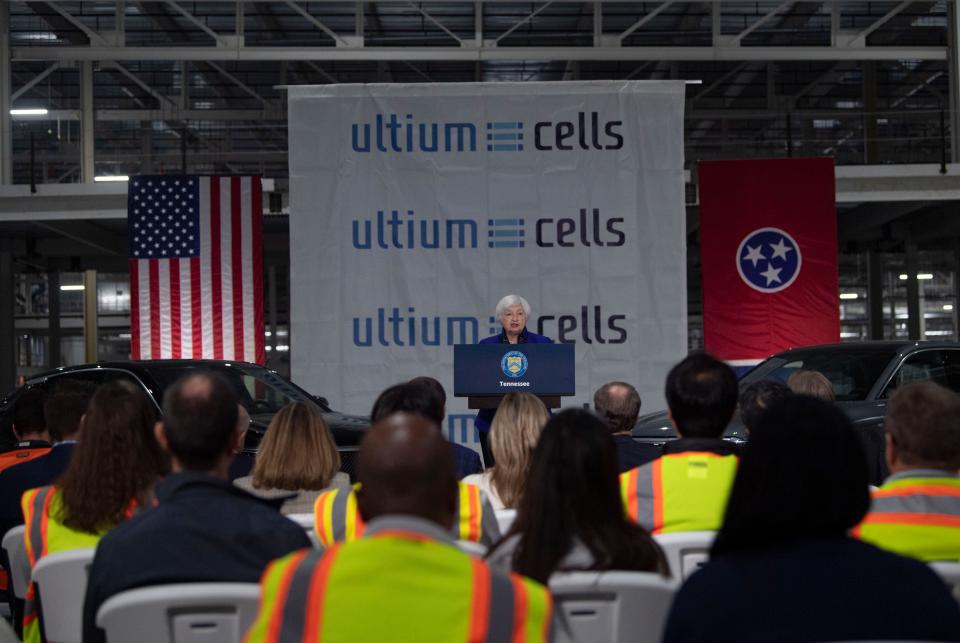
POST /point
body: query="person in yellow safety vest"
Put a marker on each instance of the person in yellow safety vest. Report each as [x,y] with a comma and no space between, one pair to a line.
[406,565]
[336,518]
[686,489]
[110,476]
[917,510]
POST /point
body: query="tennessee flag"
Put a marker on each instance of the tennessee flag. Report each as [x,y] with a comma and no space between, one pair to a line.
[768,251]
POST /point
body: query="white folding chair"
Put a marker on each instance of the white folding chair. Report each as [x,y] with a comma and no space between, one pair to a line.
[306,521]
[61,579]
[473,548]
[16,550]
[181,613]
[686,551]
[505,518]
[950,573]
[610,607]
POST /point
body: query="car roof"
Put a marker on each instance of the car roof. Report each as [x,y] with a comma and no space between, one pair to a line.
[144,365]
[901,346]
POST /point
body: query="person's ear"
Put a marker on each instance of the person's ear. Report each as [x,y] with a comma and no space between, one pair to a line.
[673,422]
[80,425]
[160,433]
[891,453]
[16,434]
[238,441]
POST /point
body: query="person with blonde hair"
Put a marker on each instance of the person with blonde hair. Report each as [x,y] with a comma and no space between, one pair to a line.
[297,456]
[513,435]
[812,383]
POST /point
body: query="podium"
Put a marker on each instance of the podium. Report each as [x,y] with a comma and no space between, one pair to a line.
[484,373]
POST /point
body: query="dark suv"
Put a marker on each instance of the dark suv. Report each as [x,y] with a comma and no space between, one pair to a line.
[262,391]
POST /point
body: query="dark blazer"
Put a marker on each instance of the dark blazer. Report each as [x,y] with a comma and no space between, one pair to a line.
[203,529]
[632,454]
[38,472]
[832,589]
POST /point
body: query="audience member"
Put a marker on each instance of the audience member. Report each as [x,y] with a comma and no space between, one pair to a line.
[917,510]
[421,587]
[31,438]
[336,518]
[62,410]
[619,404]
[782,566]
[757,398]
[203,528]
[570,516]
[424,396]
[686,489]
[110,476]
[812,383]
[296,460]
[513,435]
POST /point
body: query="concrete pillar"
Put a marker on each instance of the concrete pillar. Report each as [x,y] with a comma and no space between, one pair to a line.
[875,295]
[87,167]
[6,133]
[90,315]
[8,365]
[913,290]
[870,147]
[53,318]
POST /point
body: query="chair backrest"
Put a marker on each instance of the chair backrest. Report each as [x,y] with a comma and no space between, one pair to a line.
[950,573]
[472,548]
[61,579]
[686,551]
[610,607]
[16,550]
[181,613]
[306,521]
[505,518]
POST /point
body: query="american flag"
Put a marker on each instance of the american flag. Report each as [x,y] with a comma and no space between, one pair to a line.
[196,267]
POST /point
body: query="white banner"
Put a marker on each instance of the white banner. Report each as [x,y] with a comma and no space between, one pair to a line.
[415,208]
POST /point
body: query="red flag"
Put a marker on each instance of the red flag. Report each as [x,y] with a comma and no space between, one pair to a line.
[768,250]
[196,263]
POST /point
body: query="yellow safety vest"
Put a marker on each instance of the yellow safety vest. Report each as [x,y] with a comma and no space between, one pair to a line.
[917,517]
[44,535]
[679,492]
[418,590]
[336,518]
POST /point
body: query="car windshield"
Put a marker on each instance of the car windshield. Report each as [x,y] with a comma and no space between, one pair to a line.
[852,371]
[259,390]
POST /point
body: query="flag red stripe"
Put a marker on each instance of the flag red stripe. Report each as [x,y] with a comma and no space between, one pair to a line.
[257,248]
[196,316]
[175,308]
[154,310]
[134,309]
[236,267]
[215,285]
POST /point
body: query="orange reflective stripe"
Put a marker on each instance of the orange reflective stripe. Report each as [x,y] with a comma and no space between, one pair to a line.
[548,616]
[320,508]
[26,504]
[474,517]
[519,610]
[633,503]
[44,521]
[657,496]
[904,518]
[313,623]
[480,614]
[920,490]
[401,533]
[276,618]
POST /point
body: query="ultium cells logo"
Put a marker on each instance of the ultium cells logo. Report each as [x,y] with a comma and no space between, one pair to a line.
[585,131]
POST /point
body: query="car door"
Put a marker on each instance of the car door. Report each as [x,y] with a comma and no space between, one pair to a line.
[934,365]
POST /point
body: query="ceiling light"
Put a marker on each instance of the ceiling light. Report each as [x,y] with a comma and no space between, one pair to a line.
[38,111]
[111,179]
[848,295]
[948,306]
[72,287]
[924,275]
[903,277]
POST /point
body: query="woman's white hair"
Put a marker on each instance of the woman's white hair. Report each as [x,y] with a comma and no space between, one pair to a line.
[512,300]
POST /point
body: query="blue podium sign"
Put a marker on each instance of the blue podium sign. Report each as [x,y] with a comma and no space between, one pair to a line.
[493,370]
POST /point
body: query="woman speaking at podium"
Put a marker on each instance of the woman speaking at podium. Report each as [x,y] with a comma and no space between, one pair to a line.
[512,313]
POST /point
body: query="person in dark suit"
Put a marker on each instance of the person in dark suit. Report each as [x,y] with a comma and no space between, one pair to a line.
[512,313]
[203,528]
[62,411]
[424,396]
[619,404]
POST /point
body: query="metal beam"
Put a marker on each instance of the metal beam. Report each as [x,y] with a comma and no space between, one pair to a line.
[861,37]
[90,33]
[761,21]
[458,54]
[6,134]
[87,122]
[644,20]
[316,23]
[435,22]
[236,81]
[523,21]
[30,84]
[195,22]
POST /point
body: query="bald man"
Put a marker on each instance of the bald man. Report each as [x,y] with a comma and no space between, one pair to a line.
[406,567]
[203,529]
